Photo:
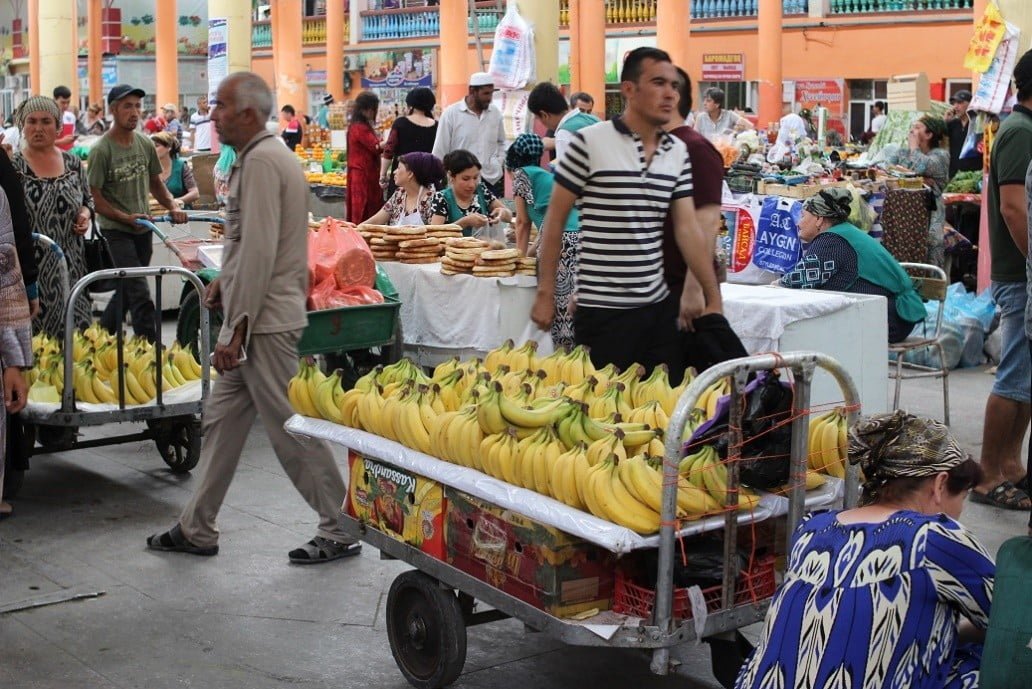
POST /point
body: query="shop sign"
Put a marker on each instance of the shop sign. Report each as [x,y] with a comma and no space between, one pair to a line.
[723,67]
[810,93]
[397,69]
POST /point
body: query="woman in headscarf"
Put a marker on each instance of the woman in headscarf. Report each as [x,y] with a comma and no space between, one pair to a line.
[840,256]
[532,188]
[927,156]
[176,173]
[893,593]
[414,131]
[415,178]
[59,205]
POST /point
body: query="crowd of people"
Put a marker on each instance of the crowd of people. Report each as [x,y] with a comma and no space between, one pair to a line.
[627,212]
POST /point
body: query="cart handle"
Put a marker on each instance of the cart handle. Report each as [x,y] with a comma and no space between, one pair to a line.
[802,365]
[217,219]
[68,396]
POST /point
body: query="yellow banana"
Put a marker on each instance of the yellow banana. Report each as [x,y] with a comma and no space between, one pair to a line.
[619,506]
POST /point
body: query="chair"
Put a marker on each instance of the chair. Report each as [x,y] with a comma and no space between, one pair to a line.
[931,283]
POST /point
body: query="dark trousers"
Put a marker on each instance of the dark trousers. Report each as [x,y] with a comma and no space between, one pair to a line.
[497,188]
[131,251]
[647,335]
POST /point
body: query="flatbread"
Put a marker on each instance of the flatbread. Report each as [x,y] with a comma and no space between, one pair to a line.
[467,243]
[500,254]
[497,265]
[456,265]
[498,274]
[471,253]
[531,273]
[407,230]
[416,243]
[493,269]
[449,227]
[373,229]
[425,259]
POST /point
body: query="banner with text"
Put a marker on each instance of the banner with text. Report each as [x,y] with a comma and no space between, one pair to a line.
[810,93]
[723,67]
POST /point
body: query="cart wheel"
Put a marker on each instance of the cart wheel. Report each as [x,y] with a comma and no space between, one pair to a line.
[426,630]
[188,326]
[179,444]
[56,438]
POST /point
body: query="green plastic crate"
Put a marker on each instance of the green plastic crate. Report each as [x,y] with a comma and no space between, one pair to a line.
[349,327]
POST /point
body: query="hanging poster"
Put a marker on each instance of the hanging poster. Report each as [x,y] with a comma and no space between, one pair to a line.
[994,84]
[405,69]
[990,31]
[218,53]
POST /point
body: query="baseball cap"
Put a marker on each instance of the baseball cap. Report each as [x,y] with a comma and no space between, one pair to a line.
[481,79]
[962,96]
[122,90]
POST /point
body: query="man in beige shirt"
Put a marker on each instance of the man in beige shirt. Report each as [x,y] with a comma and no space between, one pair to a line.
[261,290]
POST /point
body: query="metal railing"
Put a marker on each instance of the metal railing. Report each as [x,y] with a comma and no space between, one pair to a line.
[618,12]
[313,32]
[868,6]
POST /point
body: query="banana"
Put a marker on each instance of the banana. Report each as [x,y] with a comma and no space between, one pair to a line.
[135,387]
[349,408]
[605,447]
[814,480]
[588,492]
[523,358]
[544,462]
[830,454]
[525,451]
[498,356]
[101,392]
[603,376]
[814,454]
[533,418]
[46,394]
[438,434]
[148,377]
[489,413]
[506,458]
[562,481]
[843,446]
[715,478]
[445,369]
[619,505]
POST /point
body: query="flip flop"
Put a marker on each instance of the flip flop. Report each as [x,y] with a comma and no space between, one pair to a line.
[1005,496]
[173,541]
[320,550]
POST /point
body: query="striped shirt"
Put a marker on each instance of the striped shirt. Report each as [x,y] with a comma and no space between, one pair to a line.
[623,205]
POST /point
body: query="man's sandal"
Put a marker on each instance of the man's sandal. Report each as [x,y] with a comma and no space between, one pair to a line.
[320,550]
[1006,496]
[174,541]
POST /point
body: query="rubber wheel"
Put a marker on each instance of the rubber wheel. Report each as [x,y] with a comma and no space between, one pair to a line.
[179,443]
[188,326]
[56,438]
[426,630]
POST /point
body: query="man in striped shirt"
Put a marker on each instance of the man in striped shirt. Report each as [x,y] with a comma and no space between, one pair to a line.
[628,174]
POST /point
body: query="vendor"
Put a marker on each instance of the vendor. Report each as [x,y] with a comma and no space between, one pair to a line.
[841,257]
[925,156]
[715,121]
[467,202]
[175,172]
[894,592]
[411,202]
[532,189]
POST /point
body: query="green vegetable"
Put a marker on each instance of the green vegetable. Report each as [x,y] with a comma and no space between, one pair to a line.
[969,182]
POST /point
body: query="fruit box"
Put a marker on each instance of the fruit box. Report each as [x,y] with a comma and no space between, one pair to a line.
[537,564]
[401,504]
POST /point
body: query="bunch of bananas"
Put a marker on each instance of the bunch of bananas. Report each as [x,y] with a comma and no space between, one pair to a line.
[96,376]
[829,446]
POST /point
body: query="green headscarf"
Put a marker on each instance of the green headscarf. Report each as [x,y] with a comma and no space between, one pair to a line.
[833,202]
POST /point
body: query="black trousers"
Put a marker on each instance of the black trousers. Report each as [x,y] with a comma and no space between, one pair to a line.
[497,188]
[647,335]
[131,251]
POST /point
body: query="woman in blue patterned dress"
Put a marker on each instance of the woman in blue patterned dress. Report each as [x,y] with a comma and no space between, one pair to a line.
[892,594]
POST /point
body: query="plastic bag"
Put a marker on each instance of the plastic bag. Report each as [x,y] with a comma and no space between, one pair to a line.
[542,337]
[326,295]
[512,57]
[778,247]
[338,253]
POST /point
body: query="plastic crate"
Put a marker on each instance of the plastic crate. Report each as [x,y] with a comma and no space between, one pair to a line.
[349,327]
[754,585]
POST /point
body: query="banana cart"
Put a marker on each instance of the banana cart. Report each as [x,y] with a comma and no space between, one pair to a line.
[172,421]
[429,608]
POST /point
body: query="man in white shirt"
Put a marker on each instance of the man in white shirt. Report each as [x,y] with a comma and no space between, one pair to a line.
[200,126]
[66,139]
[878,120]
[474,124]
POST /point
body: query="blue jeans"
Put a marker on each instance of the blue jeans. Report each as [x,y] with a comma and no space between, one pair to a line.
[1014,374]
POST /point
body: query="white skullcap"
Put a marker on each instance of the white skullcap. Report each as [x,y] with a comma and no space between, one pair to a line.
[481,79]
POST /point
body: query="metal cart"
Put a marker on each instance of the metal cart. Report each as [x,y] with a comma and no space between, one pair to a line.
[175,428]
[430,607]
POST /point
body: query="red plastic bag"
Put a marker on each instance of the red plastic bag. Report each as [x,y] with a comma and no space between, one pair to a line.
[326,295]
[336,251]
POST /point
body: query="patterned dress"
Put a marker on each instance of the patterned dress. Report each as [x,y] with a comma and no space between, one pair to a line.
[875,606]
[53,204]
[934,166]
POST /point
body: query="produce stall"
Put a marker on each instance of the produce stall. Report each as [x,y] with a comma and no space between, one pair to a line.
[501,500]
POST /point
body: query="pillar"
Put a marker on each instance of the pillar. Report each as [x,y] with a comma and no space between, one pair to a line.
[770,60]
[592,23]
[544,18]
[575,45]
[237,14]
[166,53]
[286,44]
[74,85]
[95,50]
[672,26]
[335,42]
[33,42]
[453,62]
[55,59]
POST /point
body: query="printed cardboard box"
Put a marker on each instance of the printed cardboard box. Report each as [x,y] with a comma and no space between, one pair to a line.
[399,503]
[538,564]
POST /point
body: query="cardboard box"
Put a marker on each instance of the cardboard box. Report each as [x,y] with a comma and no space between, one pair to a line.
[909,92]
[401,504]
[537,564]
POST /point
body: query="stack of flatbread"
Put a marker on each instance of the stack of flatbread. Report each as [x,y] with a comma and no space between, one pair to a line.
[371,232]
[525,265]
[443,232]
[420,250]
[461,254]
[496,263]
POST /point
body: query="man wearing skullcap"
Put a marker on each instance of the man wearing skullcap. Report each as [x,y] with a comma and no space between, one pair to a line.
[475,125]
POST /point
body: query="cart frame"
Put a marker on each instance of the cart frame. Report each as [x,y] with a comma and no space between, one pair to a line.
[662,633]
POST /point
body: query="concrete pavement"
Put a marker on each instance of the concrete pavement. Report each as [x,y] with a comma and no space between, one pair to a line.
[246,618]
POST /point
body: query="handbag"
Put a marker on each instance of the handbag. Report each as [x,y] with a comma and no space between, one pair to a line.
[98,257]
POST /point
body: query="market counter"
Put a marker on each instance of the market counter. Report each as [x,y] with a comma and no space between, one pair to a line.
[460,315]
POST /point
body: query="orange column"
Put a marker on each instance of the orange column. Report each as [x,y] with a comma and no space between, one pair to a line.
[286,44]
[770,60]
[575,45]
[74,86]
[453,58]
[166,52]
[593,51]
[95,51]
[335,41]
[672,31]
[35,74]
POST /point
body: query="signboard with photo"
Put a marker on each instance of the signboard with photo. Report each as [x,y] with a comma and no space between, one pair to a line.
[398,69]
